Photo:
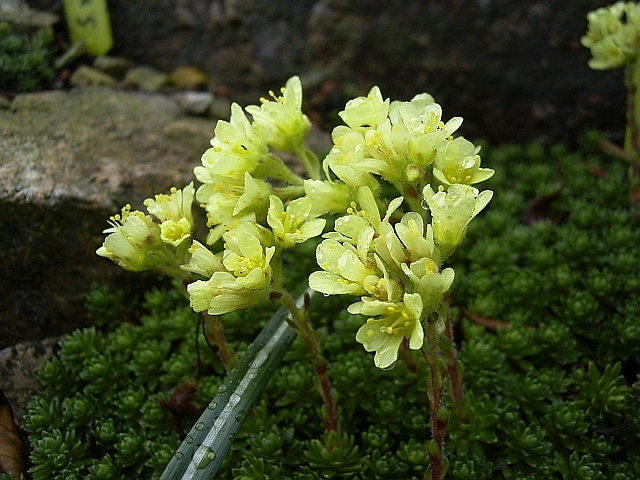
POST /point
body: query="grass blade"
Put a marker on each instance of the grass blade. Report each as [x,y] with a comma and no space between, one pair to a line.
[206,445]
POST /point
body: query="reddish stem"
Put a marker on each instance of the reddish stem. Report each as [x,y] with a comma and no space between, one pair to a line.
[488,323]
[299,322]
[435,394]
[215,335]
[452,366]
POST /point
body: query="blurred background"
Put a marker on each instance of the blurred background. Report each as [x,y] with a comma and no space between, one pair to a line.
[514,69]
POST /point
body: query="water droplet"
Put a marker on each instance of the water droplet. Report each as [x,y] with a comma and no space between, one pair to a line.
[212,405]
[199,426]
[239,416]
[222,388]
[179,455]
[207,458]
[189,439]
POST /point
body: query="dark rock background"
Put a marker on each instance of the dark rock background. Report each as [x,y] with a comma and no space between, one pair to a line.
[514,69]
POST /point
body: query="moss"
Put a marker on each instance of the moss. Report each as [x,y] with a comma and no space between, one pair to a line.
[24,60]
[555,394]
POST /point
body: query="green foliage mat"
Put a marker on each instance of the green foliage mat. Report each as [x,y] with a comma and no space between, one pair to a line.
[555,395]
[24,59]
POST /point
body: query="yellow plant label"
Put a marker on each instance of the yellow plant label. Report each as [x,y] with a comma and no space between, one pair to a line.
[88,21]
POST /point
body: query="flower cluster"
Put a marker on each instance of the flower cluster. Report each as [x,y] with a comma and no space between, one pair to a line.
[394,262]
[137,242]
[406,143]
[253,218]
[613,35]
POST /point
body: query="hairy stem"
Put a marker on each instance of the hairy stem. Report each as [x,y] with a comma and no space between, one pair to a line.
[299,322]
[435,394]
[215,335]
[455,375]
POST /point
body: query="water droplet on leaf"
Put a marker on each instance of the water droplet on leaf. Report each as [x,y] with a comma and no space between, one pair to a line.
[206,459]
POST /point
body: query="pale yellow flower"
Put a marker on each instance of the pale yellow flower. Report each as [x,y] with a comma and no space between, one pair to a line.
[174,213]
[388,156]
[346,158]
[429,282]
[425,130]
[363,113]
[248,260]
[344,271]
[281,122]
[222,294]
[229,201]
[236,147]
[245,280]
[457,161]
[388,324]
[327,196]
[420,101]
[417,240]
[203,261]
[360,215]
[295,224]
[613,35]
[452,211]
[133,237]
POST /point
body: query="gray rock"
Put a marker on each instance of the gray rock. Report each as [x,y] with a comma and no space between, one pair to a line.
[19,365]
[194,103]
[21,15]
[69,161]
[114,66]
[146,78]
[85,76]
[220,108]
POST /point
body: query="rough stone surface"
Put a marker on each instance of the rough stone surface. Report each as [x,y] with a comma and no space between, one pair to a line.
[18,367]
[515,70]
[68,162]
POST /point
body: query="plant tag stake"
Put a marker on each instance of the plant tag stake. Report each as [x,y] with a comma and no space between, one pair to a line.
[88,22]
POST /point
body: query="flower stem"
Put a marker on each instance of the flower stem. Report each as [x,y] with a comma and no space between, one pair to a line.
[310,162]
[299,322]
[453,366]
[435,394]
[215,335]
[631,74]
[288,193]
